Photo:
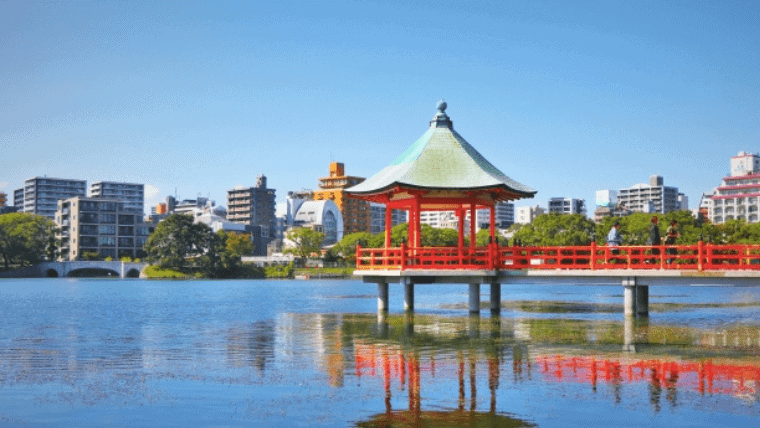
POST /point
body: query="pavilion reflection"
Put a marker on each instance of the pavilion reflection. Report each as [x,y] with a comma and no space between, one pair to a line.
[665,363]
[410,369]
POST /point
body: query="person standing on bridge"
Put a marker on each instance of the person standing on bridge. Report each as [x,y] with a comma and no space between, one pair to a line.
[671,234]
[654,238]
[613,238]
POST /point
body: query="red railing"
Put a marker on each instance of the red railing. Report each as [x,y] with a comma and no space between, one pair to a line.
[589,257]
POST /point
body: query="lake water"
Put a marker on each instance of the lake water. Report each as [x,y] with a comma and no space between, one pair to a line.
[95,352]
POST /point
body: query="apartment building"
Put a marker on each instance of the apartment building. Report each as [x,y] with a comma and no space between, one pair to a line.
[377,217]
[132,194]
[526,215]
[108,227]
[254,206]
[738,196]
[654,197]
[567,206]
[40,195]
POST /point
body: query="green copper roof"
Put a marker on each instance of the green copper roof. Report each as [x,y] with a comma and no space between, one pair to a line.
[440,159]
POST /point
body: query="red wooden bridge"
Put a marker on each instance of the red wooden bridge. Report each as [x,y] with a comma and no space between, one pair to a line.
[701,257]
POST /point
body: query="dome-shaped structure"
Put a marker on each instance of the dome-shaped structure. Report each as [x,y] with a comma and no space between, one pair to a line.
[323,214]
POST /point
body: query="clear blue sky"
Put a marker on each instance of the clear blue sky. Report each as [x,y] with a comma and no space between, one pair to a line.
[567,97]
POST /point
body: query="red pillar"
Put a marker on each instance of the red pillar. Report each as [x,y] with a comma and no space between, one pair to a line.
[387,226]
[418,224]
[473,220]
[493,223]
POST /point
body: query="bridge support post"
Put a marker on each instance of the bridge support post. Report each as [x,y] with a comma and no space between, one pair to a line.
[408,295]
[635,298]
[382,297]
[642,300]
[495,298]
[629,330]
[629,296]
[474,298]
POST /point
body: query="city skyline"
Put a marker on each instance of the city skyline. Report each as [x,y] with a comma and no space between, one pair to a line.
[200,98]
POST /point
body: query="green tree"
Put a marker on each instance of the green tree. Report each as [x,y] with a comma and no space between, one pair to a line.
[26,238]
[557,229]
[307,241]
[237,244]
[177,239]
[347,246]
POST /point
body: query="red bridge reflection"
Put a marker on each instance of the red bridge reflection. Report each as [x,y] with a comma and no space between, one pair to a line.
[406,370]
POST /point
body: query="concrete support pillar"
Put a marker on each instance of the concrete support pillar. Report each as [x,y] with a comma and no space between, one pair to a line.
[629,330]
[629,296]
[473,326]
[408,295]
[495,298]
[642,300]
[382,324]
[474,298]
[382,297]
[629,300]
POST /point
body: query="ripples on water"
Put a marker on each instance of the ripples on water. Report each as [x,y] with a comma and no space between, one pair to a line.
[306,353]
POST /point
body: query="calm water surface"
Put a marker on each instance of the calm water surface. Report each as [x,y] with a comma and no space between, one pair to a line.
[94,352]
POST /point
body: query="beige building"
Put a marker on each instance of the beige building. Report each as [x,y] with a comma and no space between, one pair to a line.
[108,227]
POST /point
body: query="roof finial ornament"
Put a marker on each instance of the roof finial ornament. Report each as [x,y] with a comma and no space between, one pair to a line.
[441,106]
[441,120]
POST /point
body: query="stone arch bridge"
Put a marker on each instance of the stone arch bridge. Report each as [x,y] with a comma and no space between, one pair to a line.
[72,269]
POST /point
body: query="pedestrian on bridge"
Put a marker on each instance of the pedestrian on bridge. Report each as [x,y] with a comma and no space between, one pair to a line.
[671,235]
[654,238]
[613,238]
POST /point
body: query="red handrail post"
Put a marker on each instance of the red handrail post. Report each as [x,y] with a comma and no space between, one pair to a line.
[593,255]
[358,255]
[403,255]
[701,254]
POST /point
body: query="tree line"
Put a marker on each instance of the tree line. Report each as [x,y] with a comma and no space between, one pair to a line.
[179,243]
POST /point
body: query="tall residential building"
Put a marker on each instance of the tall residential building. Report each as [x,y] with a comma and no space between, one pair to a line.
[738,196]
[108,227]
[356,213]
[40,195]
[132,194]
[253,206]
[652,198]
[567,206]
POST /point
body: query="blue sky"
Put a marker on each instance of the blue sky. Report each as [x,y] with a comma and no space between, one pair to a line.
[567,97]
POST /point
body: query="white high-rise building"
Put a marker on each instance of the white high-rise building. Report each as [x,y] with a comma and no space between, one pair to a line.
[131,194]
[654,197]
[40,195]
[567,206]
[738,196]
[526,215]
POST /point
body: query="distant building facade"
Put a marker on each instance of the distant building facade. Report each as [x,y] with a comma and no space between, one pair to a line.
[738,196]
[132,194]
[567,206]
[377,218]
[108,227]
[40,195]
[526,215]
[654,197]
[356,212]
[253,206]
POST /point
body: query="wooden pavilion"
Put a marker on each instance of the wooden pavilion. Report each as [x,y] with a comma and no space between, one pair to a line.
[439,172]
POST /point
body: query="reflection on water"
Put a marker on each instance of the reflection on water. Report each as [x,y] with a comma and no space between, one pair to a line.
[197,354]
